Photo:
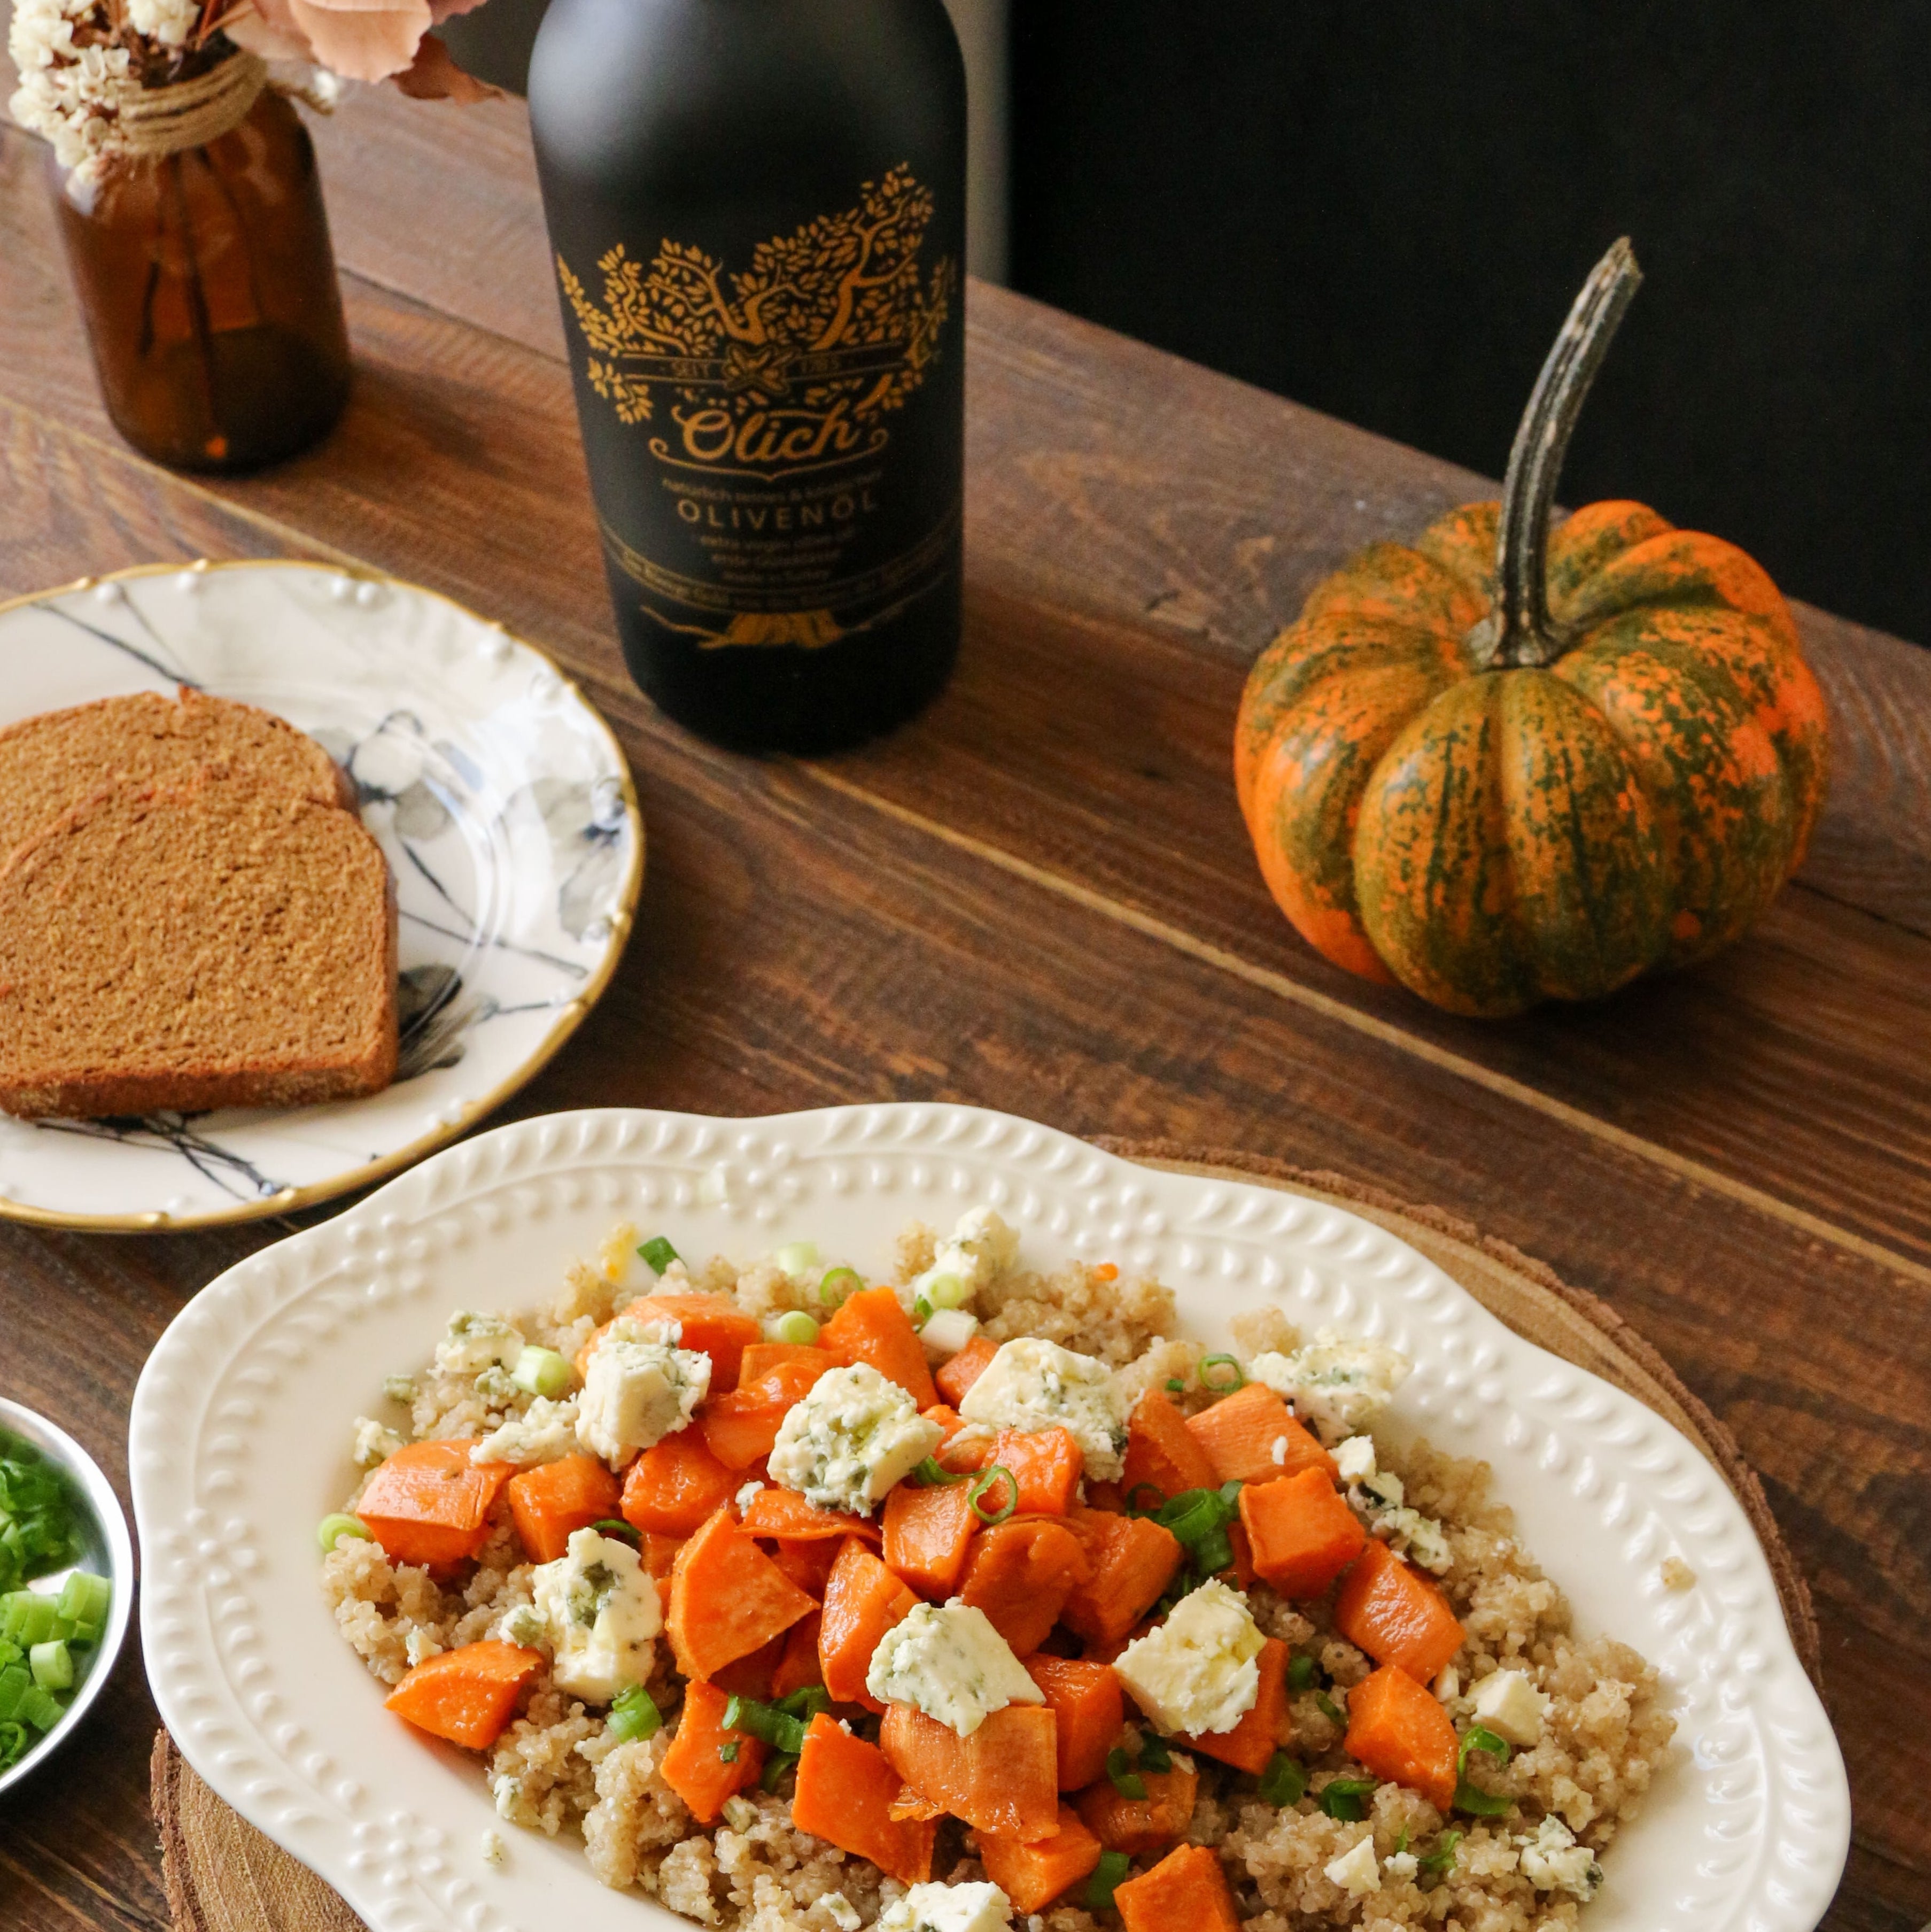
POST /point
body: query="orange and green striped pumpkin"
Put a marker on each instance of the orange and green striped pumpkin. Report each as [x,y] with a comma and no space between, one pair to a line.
[1506,763]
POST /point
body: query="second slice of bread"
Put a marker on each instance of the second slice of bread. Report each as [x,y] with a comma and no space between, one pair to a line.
[208,943]
[50,763]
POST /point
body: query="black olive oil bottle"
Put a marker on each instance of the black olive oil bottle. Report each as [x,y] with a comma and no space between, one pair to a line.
[757,213]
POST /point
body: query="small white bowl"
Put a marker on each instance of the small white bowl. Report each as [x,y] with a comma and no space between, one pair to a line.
[105,1550]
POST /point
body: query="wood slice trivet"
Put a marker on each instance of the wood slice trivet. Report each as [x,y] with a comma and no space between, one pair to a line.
[223,1876]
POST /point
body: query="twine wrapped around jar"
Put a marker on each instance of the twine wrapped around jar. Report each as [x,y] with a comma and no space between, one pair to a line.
[160,121]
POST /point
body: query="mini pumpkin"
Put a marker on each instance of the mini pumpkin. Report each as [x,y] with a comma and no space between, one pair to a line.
[1505,764]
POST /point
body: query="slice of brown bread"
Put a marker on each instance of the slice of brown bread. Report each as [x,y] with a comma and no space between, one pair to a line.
[51,763]
[208,943]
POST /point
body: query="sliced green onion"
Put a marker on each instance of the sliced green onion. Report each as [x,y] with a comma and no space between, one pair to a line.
[1206,1381]
[1328,1708]
[992,1519]
[921,1312]
[1401,1841]
[806,1705]
[1300,1673]
[1175,1386]
[27,1618]
[1126,1780]
[796,1258]
[1134,1507]
[1342,1798]
[37,1517]
[331,1529]
[727,1752]
[542,1372]
[624,1532]
[767,1723]
[84,1599]
[947,1291]
[52,1666]
[1154,1755]
[930,1474]
[776,1766]
[658,1254]
[1469,1796]
[1213,1552]
[633,1715]
[796,1327]
[838,1283]
[1110,1872]
[1442,1858]
[1284,1783]
[38,1707]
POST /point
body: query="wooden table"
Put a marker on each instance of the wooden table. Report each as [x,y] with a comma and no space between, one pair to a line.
[1038,898]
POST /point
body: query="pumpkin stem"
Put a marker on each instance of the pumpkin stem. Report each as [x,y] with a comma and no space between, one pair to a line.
[1519,630]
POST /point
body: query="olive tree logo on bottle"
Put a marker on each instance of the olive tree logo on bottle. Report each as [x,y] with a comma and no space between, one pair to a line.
[792,366]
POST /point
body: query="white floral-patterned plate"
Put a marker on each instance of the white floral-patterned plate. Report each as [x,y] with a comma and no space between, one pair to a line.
[241,1436]
[499,797]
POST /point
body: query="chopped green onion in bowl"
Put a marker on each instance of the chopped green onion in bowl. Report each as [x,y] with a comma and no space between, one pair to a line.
[51,1664]
[58,1620]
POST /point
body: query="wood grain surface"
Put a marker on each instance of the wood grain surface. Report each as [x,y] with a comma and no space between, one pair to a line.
[1038,897]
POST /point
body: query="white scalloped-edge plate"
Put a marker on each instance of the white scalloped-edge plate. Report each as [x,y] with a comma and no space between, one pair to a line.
[241,1421]
[497,794]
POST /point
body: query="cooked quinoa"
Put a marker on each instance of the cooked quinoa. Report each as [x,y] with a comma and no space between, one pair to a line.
[557,1767]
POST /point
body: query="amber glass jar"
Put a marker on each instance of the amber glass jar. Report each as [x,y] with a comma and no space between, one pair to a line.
[208,287]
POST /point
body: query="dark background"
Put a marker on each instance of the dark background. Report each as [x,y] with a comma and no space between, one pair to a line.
[1383,210]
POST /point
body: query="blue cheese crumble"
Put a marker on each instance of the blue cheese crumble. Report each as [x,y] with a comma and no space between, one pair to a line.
[1377,1497]
[950,1908]
[638,1389]
[473,1342]
[375,1442]
[949,1662]
[979,1250]
[1031,1385]
[1196,1674]
[847,1442]
[1512,1707]
[545,1433]
[1337,1384]
[1552,1860]
[1355,1870]
[601,1613]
